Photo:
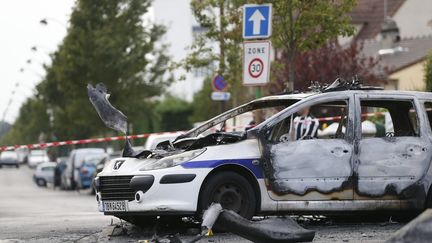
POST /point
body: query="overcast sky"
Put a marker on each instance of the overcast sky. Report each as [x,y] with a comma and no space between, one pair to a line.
[20,31]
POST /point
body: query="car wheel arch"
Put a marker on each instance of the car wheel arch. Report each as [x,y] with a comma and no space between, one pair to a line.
[242,171]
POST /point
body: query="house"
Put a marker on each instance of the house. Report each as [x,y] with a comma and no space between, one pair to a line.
[399,33]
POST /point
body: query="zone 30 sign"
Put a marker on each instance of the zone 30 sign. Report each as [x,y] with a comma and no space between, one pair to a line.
[256,62]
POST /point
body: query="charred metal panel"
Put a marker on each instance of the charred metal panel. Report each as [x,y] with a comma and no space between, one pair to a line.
[321,165]
[393,166]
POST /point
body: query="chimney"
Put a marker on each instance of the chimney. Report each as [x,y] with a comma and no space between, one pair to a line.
[389,34]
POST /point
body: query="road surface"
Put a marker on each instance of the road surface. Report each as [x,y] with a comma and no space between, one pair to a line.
[29,213]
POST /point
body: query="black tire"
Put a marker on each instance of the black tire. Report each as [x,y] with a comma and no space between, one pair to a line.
[232,191]
[17,166]
[41,182]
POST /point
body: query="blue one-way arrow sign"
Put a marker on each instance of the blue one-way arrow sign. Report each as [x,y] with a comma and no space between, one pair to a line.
[257,21]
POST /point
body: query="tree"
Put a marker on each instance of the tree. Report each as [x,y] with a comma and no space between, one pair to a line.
[428,73]
[173,114]
[203,107]
[107,42]
[220,44]
[33,120]
[298,26]
[306,25]
[328,63]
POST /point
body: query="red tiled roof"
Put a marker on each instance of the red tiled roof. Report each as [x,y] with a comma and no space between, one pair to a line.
[370,14]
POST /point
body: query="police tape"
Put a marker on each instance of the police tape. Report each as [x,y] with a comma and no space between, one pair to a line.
[145,135]
[81,141]
[336,118]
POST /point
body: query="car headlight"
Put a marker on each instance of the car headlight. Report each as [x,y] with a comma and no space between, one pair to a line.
[173,160]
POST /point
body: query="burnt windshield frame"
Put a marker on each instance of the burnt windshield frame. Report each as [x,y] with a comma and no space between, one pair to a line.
[253,105]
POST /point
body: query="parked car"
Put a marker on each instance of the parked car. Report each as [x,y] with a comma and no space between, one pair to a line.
[44,173]
[36,157]
[9,158]
[88,169]
[70,176]
[22,155]
[154,139]
[281,165]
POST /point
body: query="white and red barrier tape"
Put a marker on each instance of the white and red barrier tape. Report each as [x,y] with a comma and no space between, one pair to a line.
[82,141]
[109,139]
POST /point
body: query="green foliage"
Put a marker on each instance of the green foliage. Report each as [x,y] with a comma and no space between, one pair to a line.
[298,26]
[33,120]
[173,114]
[428,73]
[4,128]
[107,42]
[222,21]
[304,25]
[203,107]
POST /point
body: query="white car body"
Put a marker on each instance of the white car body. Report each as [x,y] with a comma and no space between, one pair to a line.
[44,173]
[37,157]
[9,158]
[310,175]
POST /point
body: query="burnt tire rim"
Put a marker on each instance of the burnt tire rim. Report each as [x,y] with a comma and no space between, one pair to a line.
[231,197]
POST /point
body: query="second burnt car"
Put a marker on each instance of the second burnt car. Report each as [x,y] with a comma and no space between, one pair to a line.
[285,163]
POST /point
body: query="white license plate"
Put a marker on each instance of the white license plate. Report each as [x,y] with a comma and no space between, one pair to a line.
[114,206]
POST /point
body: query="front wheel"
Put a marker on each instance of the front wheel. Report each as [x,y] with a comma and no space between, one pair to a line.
[41,182]
[232,191]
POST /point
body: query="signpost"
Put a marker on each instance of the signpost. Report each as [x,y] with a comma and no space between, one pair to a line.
[257,24]
[220,96]
[257,21]
[256,63]
[220,85]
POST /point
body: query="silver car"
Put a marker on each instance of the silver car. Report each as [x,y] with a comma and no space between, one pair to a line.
[44,173]
[9,158]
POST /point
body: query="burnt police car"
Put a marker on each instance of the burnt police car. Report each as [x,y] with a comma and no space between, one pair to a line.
[287,162]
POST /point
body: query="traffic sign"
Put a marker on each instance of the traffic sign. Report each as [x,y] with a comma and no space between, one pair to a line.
[257,21]
[220,96]
[219,83]
[256,62]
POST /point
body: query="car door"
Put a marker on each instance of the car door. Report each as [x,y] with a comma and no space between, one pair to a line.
[314,168]
[392,163]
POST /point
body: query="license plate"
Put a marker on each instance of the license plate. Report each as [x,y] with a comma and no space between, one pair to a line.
[114,206]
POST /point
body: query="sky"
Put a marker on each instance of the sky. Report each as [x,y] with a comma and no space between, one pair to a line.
[20,30]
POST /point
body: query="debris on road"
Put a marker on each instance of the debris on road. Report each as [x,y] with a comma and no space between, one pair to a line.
[267,230]
[418,230]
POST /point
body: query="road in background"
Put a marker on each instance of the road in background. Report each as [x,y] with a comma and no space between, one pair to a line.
[30,213]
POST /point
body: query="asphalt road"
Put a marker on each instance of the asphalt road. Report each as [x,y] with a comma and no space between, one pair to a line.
[29,213]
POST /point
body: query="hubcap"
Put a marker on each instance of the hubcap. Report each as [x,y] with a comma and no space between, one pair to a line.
[230,197]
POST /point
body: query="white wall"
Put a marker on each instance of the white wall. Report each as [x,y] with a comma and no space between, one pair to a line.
[177,17]
[414,18]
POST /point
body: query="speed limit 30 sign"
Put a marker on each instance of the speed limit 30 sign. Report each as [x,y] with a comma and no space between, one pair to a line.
[256,63]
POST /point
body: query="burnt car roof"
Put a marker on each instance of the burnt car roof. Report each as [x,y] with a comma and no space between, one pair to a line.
[419,94]
[275,99]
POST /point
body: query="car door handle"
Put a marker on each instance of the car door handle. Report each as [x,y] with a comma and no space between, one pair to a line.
[339,150]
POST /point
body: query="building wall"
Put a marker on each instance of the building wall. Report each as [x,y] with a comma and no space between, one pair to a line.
[177,17]
[414,18]
[409,78]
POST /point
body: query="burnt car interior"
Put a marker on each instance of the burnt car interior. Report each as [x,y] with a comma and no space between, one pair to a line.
[402,113]
[324,113]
